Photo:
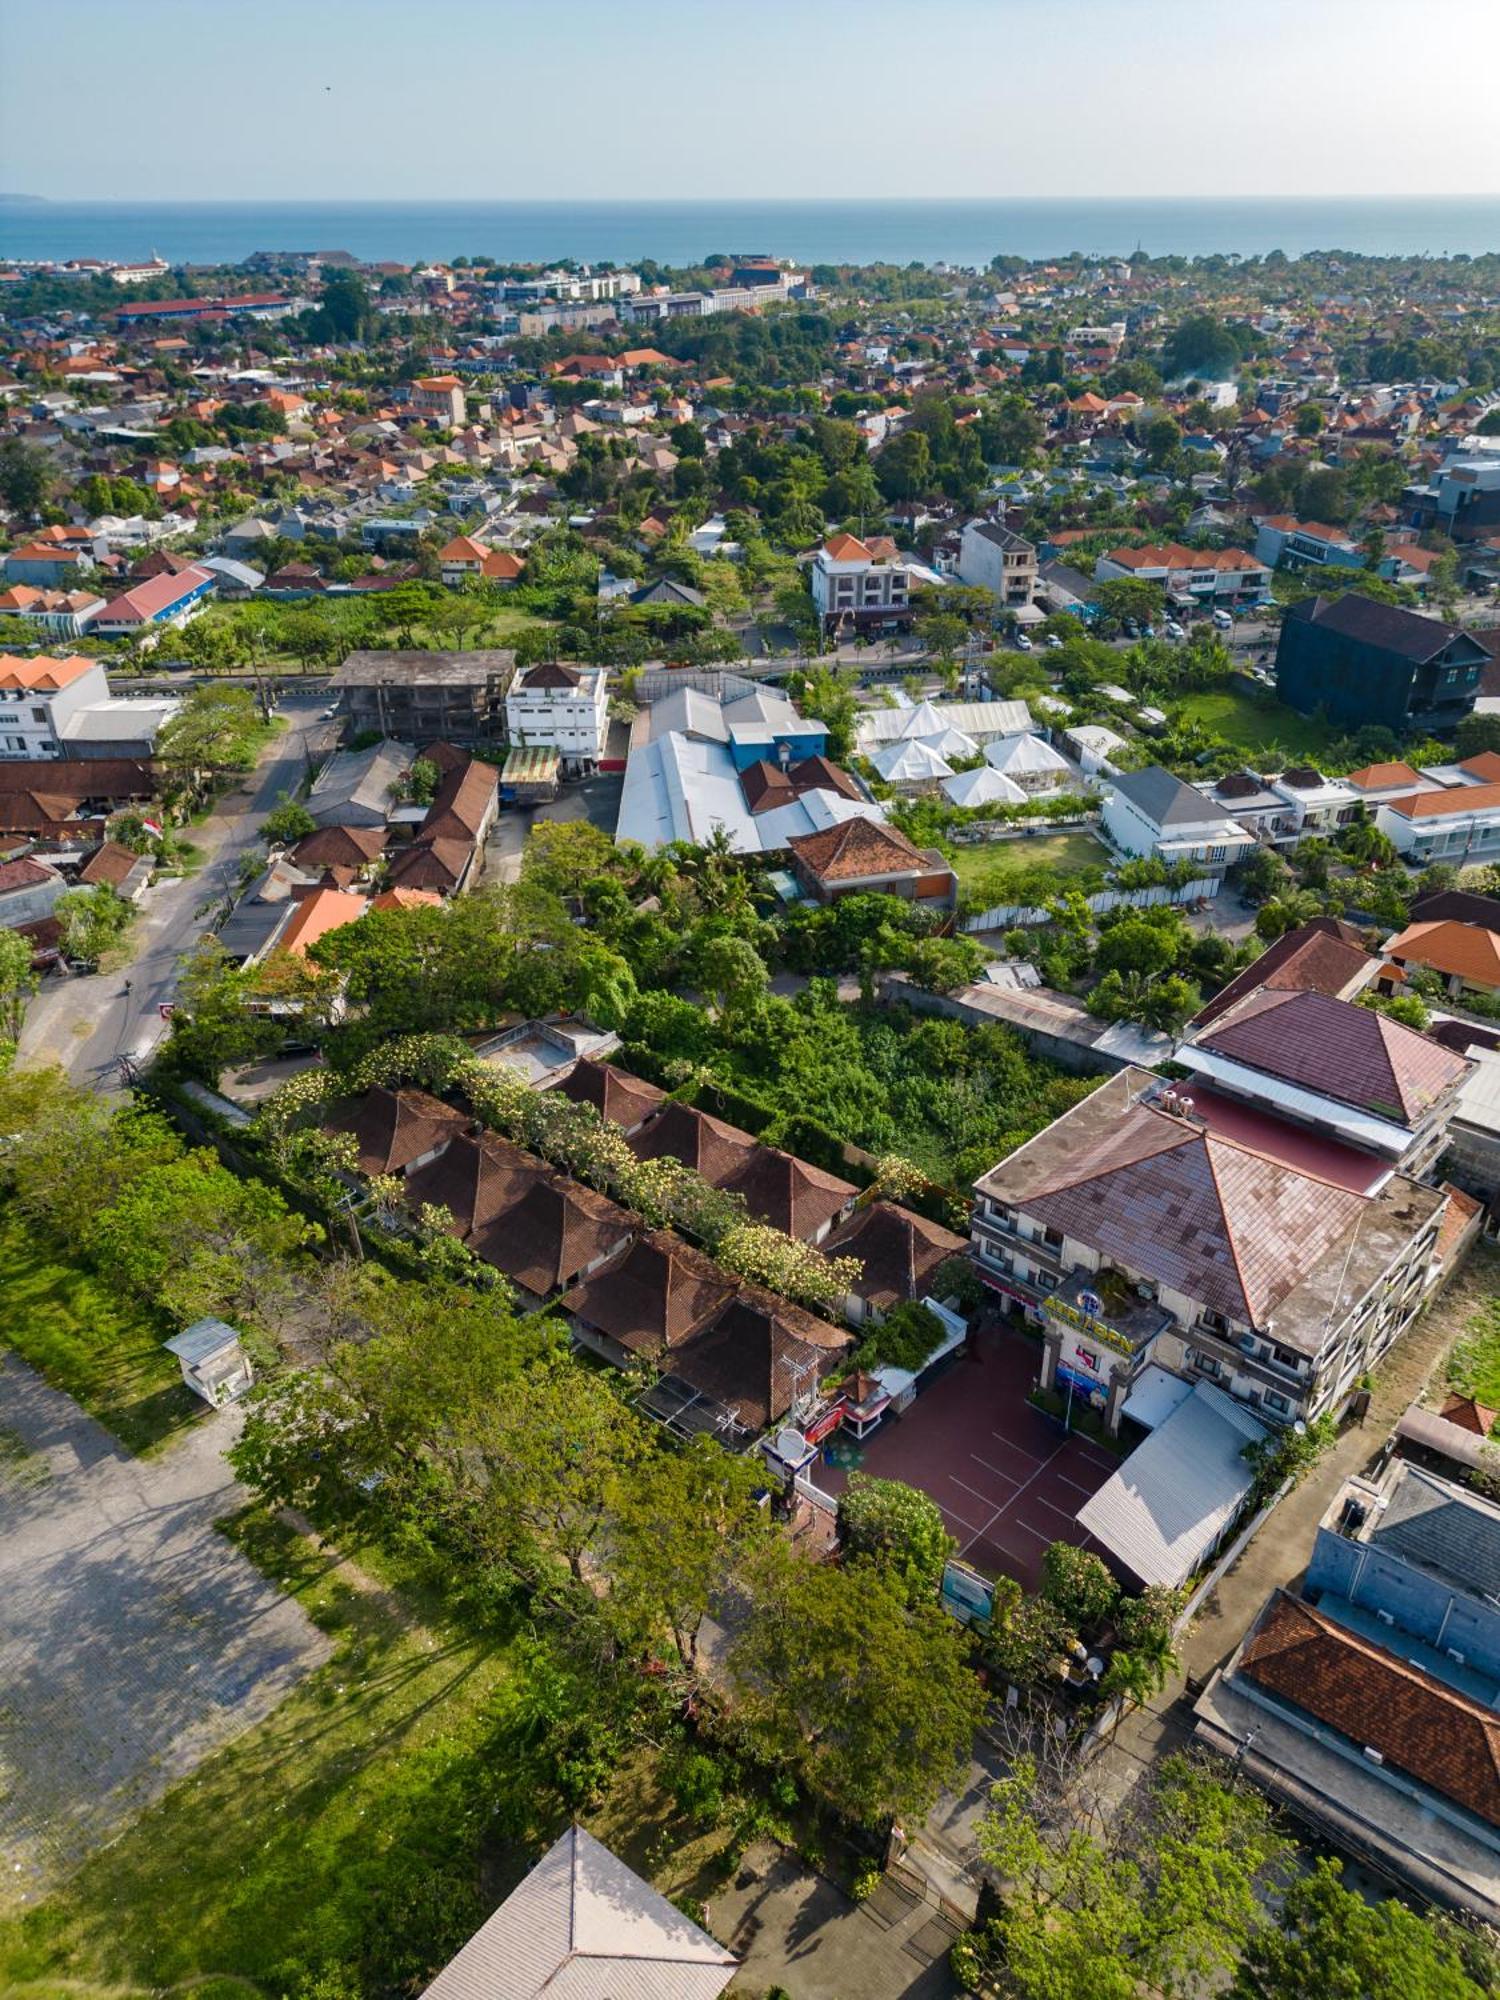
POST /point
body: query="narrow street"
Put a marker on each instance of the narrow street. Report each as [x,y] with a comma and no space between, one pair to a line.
[86,1022]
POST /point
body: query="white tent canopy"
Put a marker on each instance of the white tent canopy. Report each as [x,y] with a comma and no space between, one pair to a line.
[983,787]
[909,763]
[1026,756]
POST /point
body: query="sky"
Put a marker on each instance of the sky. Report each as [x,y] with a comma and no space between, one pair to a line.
[525,100]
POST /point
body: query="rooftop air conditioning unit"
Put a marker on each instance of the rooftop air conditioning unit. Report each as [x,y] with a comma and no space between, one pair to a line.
[1375,1756]
[1455,1656]
[1385,1617]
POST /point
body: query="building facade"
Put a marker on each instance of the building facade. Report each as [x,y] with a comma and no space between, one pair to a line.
[563,708]
[1135,1232]
[991,557]
[1362,662]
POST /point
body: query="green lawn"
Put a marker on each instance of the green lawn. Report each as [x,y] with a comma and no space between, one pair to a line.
[78,1332]
[1242,721]
[1062,853]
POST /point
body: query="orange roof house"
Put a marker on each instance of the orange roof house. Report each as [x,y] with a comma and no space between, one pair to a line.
[315,916]
[1467,953]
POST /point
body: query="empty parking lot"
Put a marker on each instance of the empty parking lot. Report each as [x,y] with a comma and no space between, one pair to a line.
[134,1639]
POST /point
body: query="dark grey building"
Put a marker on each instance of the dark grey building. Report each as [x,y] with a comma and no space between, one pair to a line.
[1362,662]
[427,697]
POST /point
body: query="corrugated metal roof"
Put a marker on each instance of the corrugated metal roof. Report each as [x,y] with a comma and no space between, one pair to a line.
[1163,1511]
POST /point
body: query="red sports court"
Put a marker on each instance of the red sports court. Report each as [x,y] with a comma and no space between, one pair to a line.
[1008,1478]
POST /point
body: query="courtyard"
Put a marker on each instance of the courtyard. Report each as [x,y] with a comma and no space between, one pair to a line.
[1008,1478]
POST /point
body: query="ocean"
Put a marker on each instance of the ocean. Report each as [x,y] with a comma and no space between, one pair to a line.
[813,232]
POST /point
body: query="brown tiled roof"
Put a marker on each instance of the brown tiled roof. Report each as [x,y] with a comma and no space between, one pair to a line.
[755,1360]
[787,1193]
[461,802]
[1468,1415]
[1227,1227]
[900,1252]
[555,1230]
[818,774]
[394,1127]
[614,1093]
[23,874]
[112,864]
[1344,1051]
[476,1180]
[858,849]
[431,864]
[765,786]
[1323,956]
[552,674]
[84,777]
[340,847]
[1379,777]
[707,1145]
[654,1296]
[1454,802]
[1434,1734]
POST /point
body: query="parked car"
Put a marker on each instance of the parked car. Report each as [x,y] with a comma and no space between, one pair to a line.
[1223,620]
[1054,642]
[1023,644]
[1173,630]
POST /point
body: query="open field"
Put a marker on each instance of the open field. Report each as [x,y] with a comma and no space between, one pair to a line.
[134,1641]
[1062,853]
[1243,722]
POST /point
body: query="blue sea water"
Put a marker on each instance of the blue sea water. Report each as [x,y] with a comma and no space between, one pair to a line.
[682,232]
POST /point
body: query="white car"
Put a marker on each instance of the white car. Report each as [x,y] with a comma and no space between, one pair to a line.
[1023,643]
[1223,620]
[1054,642]
[1173,630]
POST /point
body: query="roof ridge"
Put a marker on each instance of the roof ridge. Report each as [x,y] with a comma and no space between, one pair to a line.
[1229,1237]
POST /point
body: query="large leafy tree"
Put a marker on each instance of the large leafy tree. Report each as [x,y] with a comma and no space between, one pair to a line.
[868,1700]
[681,1522]
[1158,1900]
[1333,1943]
[897,1528]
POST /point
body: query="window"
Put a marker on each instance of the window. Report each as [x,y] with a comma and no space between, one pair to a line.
[1052,1238]
[1215,1322]
[1285,1356]
[1277,1403]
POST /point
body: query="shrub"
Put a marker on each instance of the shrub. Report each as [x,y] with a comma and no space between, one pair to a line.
[867,1880]
[1078,1584]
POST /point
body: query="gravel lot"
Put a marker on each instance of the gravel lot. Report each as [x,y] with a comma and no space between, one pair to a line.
[134,1640]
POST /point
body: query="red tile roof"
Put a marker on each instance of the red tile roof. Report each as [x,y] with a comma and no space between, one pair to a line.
[1468,951]
[1324,956]
[859,850]
[1226,1226]
[1431,1732]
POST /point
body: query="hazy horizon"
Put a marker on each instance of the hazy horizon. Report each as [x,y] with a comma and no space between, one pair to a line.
[172,100]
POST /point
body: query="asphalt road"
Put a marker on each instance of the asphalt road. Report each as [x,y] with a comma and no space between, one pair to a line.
[87,1022]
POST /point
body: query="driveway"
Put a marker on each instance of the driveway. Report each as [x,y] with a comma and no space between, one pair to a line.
[596,799]
[793,1928]
[134,1640]
[88,1022]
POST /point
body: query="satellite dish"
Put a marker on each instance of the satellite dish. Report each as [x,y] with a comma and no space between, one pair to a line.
[790,1444]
